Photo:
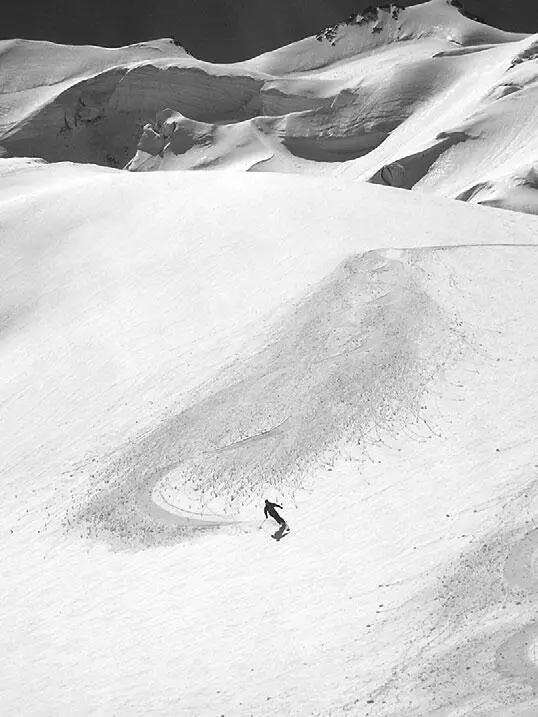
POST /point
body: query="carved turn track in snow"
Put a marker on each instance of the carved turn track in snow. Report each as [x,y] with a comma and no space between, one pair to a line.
[349,362]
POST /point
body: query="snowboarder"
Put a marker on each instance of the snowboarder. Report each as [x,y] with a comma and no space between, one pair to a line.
[269,510]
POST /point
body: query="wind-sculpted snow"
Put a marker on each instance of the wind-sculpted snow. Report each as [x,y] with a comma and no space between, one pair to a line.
[375,96]
[99,119]
[348,364]
[176,142]
[34,74]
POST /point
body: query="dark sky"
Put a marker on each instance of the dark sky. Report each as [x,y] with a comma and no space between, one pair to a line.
[217,30]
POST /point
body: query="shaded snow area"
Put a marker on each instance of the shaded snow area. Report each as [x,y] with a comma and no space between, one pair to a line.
[177,346]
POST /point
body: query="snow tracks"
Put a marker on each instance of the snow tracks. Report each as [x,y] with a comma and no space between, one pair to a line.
[517,657]
[350,363]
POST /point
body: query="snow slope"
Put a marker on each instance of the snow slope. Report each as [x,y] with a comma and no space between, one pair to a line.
[395,95]
[177,347]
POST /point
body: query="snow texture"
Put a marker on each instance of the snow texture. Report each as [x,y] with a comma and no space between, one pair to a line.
[176,347]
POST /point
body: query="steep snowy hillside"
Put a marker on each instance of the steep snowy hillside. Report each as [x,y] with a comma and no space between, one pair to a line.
[177,347]
[394,95]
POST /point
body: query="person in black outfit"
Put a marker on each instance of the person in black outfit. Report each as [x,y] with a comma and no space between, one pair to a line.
[269,510]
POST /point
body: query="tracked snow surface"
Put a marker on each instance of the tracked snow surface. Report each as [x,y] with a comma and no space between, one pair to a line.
[178,346]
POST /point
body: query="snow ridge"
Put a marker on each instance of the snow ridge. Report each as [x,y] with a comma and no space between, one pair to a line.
[372,98]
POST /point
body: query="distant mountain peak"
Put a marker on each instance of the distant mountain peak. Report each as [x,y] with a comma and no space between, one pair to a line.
[460,6]
[370,15]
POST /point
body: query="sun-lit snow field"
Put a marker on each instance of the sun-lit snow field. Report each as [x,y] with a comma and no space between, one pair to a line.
[175,347]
